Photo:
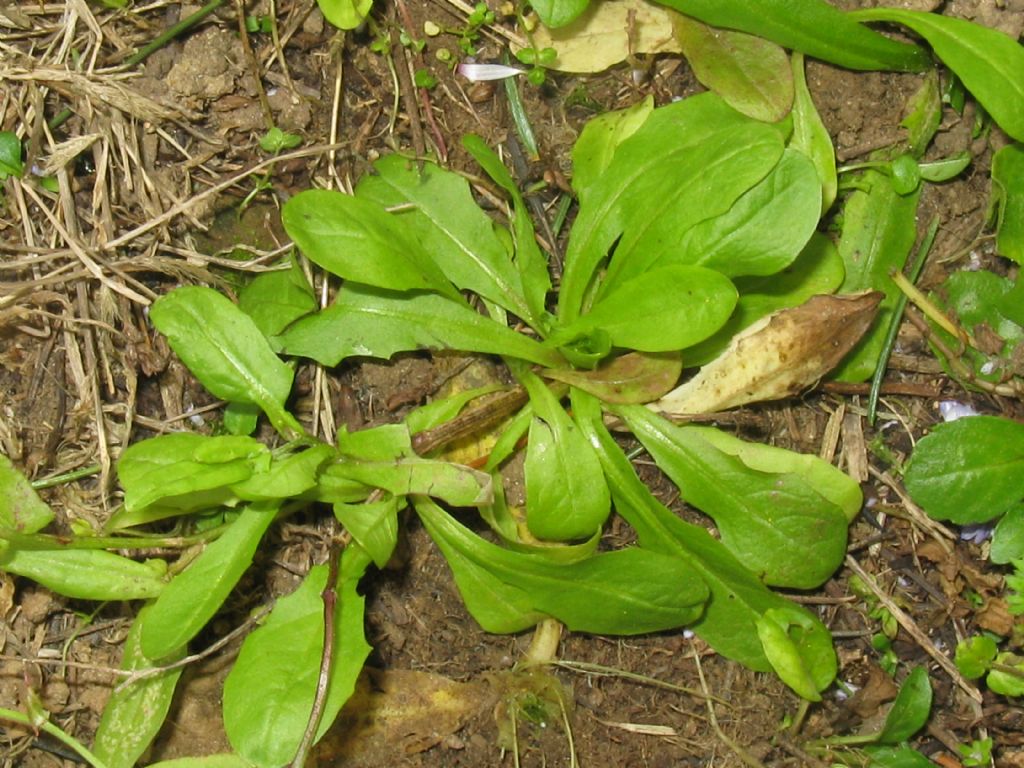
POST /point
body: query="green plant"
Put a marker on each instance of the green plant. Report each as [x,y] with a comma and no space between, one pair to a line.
[612,345]
[10,155]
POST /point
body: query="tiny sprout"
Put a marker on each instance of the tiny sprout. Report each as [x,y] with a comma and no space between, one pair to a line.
[537,76]
[430,29]
[444,55]
[423,79]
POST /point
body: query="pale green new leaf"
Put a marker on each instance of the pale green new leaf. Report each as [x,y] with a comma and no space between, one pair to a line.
[710,155]
[370,323]
[188,470]
[345,14]
[790,640]
[665,309]
[764,230]
[21,509]
[274,300]
[374,525]
[968,471]
[287,476]
[281,660]
[225,350]
[87,574]
[775,522]
[566,495]
[134,715]
[594,149]
[449,227]
[1008,189]
[811,137]
[456,484]
[192,597]
[987,61]
[358,240]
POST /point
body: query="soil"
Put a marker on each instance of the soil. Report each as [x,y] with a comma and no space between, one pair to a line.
[154,199]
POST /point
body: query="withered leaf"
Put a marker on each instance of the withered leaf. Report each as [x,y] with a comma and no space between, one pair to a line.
[778,356]
[636,377]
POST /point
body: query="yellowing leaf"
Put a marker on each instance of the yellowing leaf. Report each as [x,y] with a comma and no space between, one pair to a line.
[778,356]
[610,32]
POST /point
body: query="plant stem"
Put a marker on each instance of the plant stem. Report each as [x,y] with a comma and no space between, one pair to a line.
[64,738]
[897,319]
[172,32]
[66,477]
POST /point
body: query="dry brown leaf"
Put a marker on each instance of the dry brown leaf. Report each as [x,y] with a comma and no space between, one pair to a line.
[609,32]
[778,356]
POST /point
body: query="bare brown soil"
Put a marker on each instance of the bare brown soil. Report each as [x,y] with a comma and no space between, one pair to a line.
[152,201]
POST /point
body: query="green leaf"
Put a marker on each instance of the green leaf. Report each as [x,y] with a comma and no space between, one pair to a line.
[594,149]
[374,525]
[750,73]
[879,229]
[275,140]
[225,350]
[88,574]
[764,230]
[1008,193]
[924,114]
[910,711]
[456,484]
[10,155]
[358,240]
[897,757]
[982,302]
[187,470]
[371,323]
[645,193]
[566,495]
[1008,536]
[811,137]
[288,476]
[634,377]
[663,310]
[624,592]
[558,13]
[449,227]
[738,597]
[281,660]
[707,184]
[345,14]
[811,26]
[945,169]
[988,61]
[787,636]
[21,509]
[275,300]
[530,262]
[192,597]
[775,522]
[1004,681]
[817,270]
[968,471]
[134,715]
[974,656]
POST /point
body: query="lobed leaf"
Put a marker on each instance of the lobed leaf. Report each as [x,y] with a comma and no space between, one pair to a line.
[370,323]
[776,523]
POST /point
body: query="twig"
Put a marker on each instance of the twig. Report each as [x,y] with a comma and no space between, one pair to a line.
[914,631]
[330,600]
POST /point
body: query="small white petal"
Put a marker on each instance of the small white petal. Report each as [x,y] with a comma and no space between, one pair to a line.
[478,72]
[951,410]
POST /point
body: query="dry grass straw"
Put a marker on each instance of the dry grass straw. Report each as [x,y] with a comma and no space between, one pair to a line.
[81,255]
